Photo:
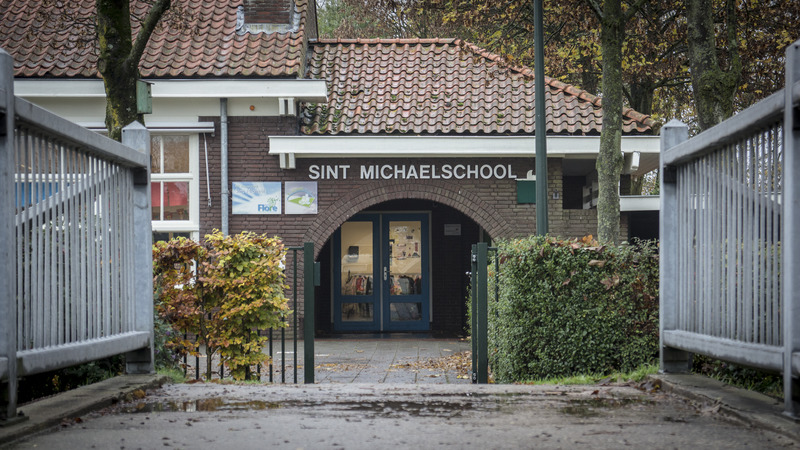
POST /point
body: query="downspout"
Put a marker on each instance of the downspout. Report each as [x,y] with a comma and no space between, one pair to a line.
[223,155]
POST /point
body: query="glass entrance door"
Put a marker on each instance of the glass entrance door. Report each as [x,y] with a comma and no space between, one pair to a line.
[356,305]
[405,266]
[381,279]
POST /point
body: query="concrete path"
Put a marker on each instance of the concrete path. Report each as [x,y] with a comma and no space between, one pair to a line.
[364,360]
[376,416]
[401,393]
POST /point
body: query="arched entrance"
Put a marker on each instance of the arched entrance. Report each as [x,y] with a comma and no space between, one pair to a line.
[397,265]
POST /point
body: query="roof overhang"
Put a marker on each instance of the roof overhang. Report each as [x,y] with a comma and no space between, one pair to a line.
[642,152]
[631,203]
[301,90]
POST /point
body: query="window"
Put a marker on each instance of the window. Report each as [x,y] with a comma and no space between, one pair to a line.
[174,184]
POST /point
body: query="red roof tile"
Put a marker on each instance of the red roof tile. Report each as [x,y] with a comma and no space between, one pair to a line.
[441,86]
[207,46]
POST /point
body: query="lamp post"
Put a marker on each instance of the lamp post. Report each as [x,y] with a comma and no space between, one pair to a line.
[541,118]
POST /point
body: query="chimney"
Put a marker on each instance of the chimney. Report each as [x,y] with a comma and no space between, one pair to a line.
[277,12]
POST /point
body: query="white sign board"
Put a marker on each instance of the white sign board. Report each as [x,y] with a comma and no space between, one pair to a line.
[256,197]
[301,197]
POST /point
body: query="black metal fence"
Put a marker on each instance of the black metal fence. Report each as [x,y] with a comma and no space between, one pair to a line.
[272,371]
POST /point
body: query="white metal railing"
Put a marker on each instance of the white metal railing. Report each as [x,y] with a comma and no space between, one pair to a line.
[729,244]
[75,244]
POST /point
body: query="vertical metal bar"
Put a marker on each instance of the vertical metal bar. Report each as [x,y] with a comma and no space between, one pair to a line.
[791,231]
[38,245]
[83,305]
[185,356]
[294,314]
[540,122]
[482,313]
[474,307]
[105,247]
[27,301]
[271,367]
[14,144]
[760,241]
[670,360]
[55,258]
[730,259]
[309,310]
[283,355]
[775,242]
[749,244]
[69,242]
[8,298]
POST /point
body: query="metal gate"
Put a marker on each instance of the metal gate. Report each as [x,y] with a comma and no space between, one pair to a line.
[479,297]
[310,272]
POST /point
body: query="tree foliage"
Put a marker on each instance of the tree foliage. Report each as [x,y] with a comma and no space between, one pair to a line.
[223,290]
[352,19]
[655,66]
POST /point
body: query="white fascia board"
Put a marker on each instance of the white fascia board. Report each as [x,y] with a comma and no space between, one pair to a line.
[629,203]
[448,146]
[33,88]
[304,90]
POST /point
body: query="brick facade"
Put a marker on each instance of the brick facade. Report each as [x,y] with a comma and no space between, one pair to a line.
[490,204]
[267,11]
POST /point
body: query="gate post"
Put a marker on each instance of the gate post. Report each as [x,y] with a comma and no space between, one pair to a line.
[671,360]
[309,275]
[8,297]
[483,313]
[473,319]
[791,240]
[137,137]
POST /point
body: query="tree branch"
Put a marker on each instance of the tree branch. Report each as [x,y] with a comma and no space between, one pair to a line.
[148,26]
[595,7]
[633,9]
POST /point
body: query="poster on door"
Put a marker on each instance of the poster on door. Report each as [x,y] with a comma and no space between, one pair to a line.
[301,197]
[256,197]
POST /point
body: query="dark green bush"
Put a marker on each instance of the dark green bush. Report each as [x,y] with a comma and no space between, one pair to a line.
[572,307]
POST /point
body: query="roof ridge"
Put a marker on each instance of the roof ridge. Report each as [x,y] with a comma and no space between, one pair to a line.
[383,41]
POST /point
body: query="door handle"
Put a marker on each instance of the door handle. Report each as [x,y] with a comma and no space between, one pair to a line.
[385,273]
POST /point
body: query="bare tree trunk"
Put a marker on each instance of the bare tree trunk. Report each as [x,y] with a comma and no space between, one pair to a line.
[713,88]
[609,160]
[119,59]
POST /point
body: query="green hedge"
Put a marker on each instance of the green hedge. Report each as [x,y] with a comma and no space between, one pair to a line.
[572,307]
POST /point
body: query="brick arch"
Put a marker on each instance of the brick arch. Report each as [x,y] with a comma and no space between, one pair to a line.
[467,202]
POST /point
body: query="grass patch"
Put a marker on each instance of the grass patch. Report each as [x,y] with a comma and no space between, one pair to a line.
[176,375]
[767,383]
[635,375]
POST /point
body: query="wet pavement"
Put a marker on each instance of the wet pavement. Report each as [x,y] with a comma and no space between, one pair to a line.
[404,393]
[374,416]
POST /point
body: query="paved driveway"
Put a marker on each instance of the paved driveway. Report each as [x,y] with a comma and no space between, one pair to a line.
[365,360]
[413,416]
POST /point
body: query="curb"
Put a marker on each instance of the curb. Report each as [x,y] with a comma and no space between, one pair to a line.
[50,412]
[752,408]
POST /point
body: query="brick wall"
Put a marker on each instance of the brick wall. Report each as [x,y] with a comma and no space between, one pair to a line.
[490,204]
[267,11]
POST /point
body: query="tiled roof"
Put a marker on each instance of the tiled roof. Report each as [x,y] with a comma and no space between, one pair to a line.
[441,86]
[206,46]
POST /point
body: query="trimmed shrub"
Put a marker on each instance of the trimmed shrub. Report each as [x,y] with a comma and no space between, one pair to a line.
[570,307]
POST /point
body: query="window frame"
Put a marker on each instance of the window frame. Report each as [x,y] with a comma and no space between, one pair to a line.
[192,225]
